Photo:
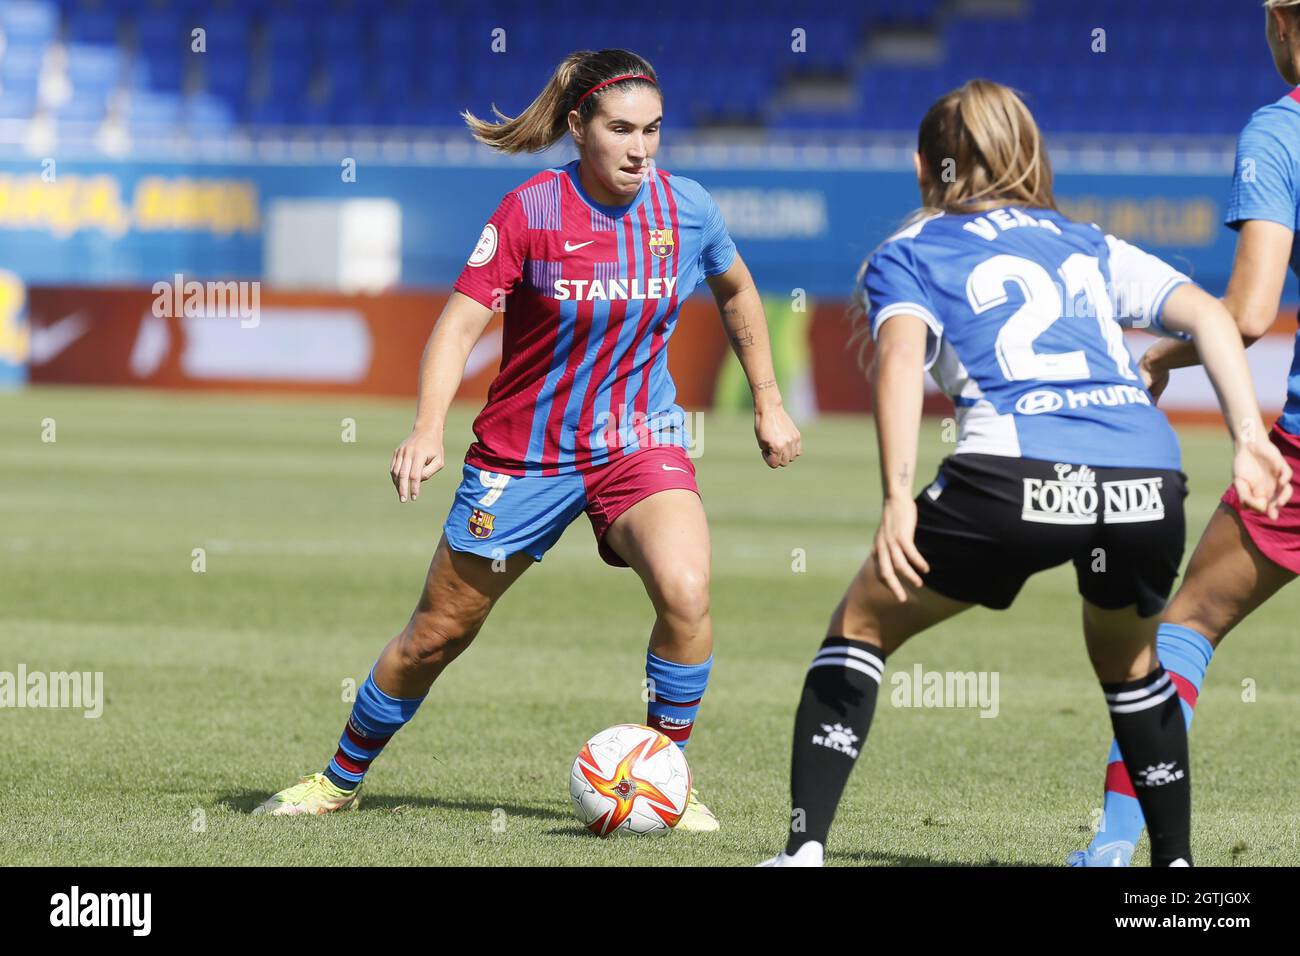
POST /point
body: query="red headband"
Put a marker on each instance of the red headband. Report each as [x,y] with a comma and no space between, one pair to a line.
[617,79]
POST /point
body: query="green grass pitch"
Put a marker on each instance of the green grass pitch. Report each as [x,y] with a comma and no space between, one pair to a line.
[226,685]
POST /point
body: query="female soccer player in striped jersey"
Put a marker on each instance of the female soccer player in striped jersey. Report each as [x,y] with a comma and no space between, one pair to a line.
[1243,558]
[1061,455]
[589,262]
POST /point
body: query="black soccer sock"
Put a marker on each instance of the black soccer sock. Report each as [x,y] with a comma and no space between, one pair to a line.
[1152,736]
[830,727]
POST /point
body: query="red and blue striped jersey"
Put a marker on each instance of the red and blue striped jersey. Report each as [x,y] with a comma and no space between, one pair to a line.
[590,294]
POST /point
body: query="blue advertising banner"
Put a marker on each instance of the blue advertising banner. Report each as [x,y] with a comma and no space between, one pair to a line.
[132,223]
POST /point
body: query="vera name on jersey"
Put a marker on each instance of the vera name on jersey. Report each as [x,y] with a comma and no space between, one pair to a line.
[1000,220]
[585,290]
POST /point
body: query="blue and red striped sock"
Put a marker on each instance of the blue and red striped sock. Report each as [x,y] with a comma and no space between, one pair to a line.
[675,694]
[1185,654]
[375,718]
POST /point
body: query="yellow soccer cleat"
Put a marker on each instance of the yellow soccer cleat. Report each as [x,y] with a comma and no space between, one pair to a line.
[314,795]
[698,818]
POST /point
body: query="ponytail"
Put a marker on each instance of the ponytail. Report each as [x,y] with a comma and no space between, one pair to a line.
[579,82]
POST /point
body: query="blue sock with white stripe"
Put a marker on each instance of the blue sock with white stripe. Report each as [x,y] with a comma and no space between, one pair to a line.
[674,692]
[830,727]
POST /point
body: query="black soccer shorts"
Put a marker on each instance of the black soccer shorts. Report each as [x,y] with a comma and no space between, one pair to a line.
[987,522]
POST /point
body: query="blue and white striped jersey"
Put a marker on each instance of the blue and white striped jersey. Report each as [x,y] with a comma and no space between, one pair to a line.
[1025,312]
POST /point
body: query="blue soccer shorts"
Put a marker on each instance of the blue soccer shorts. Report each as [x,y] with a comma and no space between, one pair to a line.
[496,515]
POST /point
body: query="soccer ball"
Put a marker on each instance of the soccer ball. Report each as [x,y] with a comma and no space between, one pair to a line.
[629,779]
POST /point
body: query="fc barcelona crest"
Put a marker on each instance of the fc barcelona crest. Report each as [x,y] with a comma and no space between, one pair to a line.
[661,242]
[480,523]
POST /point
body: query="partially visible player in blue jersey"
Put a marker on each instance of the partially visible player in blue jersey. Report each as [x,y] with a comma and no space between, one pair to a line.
[1243,558]
[1061,454]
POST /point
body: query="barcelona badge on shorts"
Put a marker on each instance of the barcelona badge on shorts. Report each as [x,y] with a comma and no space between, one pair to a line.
[661,242]
[480,523]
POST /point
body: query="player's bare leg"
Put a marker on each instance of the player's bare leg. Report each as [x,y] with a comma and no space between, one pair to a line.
[665,539]
[459,592]
[1121,645]
[1147,719]
[839,699]
[869,612]
[1226,579]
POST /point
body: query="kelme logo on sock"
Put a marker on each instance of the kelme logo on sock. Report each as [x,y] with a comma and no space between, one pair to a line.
[1159,775]
[838,738]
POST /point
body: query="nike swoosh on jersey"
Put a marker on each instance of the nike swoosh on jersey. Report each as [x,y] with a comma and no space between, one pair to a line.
[671,468]
[569,247]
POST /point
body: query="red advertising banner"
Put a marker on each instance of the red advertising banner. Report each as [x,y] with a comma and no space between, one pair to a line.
[295,342]
[241,337]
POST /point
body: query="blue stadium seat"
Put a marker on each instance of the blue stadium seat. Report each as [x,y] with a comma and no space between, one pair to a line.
[290,75]
[162,33]
[287,35]
[20,68]
[124,8]
[227,32]
[269,112]
[207,114]
[347,78]
[164,72]
[93,67]
[91,26]
[415,62]
[153,112]
[225,74]
[17,104]
[340,36]
[87,107]
[29,22]
[395,34]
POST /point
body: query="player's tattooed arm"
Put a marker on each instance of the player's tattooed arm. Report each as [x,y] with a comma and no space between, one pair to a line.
[737,328]
[741,310]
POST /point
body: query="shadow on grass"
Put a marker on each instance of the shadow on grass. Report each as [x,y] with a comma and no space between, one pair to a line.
[244,801]
[895,859]
[576,830]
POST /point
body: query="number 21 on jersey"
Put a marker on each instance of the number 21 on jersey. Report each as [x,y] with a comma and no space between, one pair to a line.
[1043,306]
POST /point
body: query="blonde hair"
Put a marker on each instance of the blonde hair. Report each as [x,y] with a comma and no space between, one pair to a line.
[544,121]
[980,148]
[1280,4]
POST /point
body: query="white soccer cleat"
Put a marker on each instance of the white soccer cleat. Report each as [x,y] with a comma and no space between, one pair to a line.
[697,818]
[810,854]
